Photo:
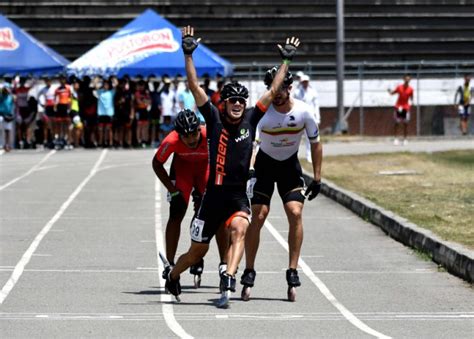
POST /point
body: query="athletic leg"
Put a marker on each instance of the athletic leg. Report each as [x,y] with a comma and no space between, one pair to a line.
[293,210]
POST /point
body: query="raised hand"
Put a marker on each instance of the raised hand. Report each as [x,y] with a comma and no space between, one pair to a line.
[188,43]
[288,51]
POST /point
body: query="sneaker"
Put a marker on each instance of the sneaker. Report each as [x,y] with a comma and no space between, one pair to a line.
[396,142]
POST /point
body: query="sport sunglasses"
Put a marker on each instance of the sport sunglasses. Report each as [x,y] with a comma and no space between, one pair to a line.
[234,100]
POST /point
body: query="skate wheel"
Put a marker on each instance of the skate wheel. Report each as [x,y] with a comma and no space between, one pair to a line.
[246,293]
[197,281]
[224,300]
[292,293]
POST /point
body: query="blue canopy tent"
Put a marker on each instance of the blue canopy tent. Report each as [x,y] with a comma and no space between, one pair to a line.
[147,45]
[22,54]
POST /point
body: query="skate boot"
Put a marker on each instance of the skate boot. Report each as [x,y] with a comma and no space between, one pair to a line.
[248,279]
[197,269]
[167,270]
[173,286]
[227,285]
[293,282]
[222,269]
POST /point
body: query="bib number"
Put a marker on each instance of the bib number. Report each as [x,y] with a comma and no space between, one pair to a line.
[196,229]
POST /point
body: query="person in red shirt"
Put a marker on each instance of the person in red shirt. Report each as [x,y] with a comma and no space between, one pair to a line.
[189,170]
[63,96]
[402,108]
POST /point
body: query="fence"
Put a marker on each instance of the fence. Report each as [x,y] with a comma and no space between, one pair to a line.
[366,83]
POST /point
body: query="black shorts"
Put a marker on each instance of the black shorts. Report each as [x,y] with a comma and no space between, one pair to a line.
[105,120]
[287,174]
[62,111]
[49,110]
[218,206]
[142,114]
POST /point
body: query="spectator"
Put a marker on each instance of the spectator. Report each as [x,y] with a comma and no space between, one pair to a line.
[7,116]
[166,127]
[463,99]
[402,108]
[24,116]
[308,94]
[88,110]
[105,112]
[142,102]
[123,117]
[155,114]
[167,97]
[206,86]
[63,96]
[76,127]
[46,99]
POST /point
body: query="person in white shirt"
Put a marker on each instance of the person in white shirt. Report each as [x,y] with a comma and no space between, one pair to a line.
[309,95]
[280,131]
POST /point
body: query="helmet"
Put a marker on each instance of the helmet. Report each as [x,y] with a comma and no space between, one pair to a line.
[270,75]
[234,89]
[186,122]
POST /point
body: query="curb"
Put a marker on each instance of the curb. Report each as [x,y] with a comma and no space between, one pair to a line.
[457,259]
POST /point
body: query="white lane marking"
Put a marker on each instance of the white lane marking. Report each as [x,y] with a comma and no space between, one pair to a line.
[20,266]
[324,290]
[31,170]
[249,316]
[167,307]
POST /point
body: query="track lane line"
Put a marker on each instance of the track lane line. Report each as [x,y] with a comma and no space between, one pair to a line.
[31,170]
[166,301]
[20,266]
[324,290]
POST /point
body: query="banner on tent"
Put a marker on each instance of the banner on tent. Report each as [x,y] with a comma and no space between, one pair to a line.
[7,39]
[118,52]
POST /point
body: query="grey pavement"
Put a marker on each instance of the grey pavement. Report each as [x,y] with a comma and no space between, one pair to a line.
[95,272]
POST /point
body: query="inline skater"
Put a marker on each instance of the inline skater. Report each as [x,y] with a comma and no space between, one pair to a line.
[280,132]
[230,133]
[189,170]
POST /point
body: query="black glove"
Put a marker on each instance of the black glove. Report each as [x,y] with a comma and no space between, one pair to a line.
[251,173]
[313,190]
[288,51]
[189,44]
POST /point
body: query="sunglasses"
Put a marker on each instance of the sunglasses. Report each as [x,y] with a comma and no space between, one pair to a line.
[234,100]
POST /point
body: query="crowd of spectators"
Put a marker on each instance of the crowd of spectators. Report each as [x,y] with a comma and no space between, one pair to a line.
[68,112]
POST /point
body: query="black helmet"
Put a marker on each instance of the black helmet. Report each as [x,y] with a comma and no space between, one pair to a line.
[186,122]
[270,75]
[234,89]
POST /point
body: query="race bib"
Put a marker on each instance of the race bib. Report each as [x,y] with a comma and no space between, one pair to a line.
[196,229]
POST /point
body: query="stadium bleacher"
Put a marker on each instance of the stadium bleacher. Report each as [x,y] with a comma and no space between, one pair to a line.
[246,31]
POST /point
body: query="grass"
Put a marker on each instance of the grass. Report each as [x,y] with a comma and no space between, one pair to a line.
[439,197]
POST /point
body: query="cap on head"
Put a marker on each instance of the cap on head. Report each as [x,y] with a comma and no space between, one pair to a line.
[234,89]
[270,75]
[186,122]
[304,77]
